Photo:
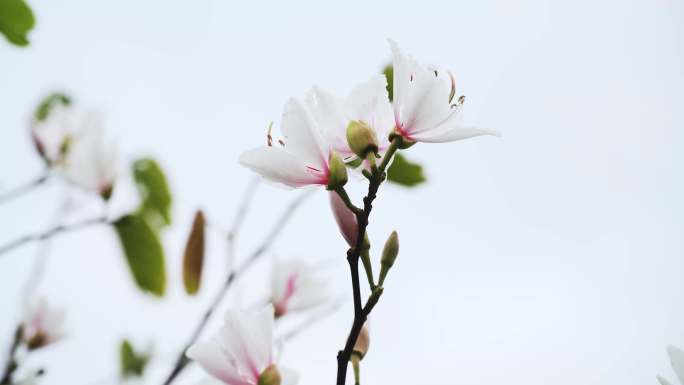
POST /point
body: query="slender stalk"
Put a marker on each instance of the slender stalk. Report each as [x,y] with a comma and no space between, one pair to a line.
[182,361]
[12,363]
[59,229]
[377,176]
[18,191]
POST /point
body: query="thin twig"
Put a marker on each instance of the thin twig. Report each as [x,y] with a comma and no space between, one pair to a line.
[38,269]
[12,363]
[60,229]
[353,255]
[317,316]
[182,361]
[18,191]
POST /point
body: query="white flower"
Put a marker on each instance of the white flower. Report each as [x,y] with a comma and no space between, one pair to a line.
[91,160]
[424,109]
[242,352]
[72,142]
[368,102]
[302,159]
[53,135]
[42,325]
[345,219]
[296,286]
[677,361]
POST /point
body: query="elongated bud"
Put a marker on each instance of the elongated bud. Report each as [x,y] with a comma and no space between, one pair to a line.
[270,376]
[362,342]
[345,218]
[389,255]
[361,139]
[338,172]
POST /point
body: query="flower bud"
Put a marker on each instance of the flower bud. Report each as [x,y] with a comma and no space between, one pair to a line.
[337,172]
[362,342]
[389,255]
[345,218]
[361,139]
[270,376]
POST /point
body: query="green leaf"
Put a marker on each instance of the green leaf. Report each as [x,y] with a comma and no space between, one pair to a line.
[132,363]
[49,103]
[154,192]
[144,253]
[16,20]
[388,71]
[193,258]
[405,172]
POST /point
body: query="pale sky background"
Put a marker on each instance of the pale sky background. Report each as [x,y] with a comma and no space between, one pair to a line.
[552,255]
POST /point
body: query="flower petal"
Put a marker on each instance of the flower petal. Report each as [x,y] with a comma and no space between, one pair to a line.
[211,357]
[345,218]
[280,166]
[328,111]
[303,137]
[369,103]
[677,361]
[663,381]
[249,336]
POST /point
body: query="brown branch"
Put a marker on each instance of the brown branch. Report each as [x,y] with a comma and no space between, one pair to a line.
[377,176]
[18,191]
[12,363]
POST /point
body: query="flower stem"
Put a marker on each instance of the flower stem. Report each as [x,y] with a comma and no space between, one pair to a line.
[18,191]
[59,229]
[361,312]
[12,364]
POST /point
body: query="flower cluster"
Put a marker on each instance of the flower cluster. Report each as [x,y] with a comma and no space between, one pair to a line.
[315,127]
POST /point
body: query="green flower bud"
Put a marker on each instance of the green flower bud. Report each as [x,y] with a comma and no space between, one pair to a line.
[389,255]
[337,172]
[361,139]
[270,376]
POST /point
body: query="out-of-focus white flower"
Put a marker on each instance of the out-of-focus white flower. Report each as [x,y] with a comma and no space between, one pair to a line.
[242,352]
[53,134]
[301,159]
[91,160]
[296,286]
[368,103]
[424,105]
[345,219]
[677,362]
[42,325]
[72,142]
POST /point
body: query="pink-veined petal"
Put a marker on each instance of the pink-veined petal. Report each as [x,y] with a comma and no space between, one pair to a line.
[345,219]
[280,166]
[249,336]
[212,358]
[303,137]
[405,70]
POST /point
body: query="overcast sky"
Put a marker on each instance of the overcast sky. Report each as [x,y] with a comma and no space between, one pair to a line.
[552,255]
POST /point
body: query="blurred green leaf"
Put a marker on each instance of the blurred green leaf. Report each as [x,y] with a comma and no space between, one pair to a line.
[154,192]
[132,363]
[16,20]
[389,75]
[144,253]
[405,172]
[193,258]
[50,102]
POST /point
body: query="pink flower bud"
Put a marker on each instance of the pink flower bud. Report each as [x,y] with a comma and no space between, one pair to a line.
[345,218]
